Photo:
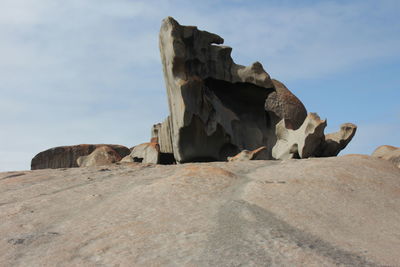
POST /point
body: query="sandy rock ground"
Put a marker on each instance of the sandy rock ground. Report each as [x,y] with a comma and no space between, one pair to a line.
[342,211]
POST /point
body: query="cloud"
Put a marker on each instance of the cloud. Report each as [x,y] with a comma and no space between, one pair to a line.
[309,41]
[76,72]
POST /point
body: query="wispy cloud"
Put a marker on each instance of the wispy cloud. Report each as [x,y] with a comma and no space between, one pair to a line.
[308,41]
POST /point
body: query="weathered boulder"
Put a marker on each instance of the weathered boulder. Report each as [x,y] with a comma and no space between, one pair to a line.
[390,153]
[102,155]
[145,153]
[66,156]
[335,142]
[218,108]
[301,143]
[382,151]
[247,155]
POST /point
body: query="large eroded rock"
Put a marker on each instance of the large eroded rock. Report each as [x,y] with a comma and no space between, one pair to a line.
[339,211]
[218,108]
[66,156]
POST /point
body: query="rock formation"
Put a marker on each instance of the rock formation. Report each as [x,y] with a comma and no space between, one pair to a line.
[335,142]
[247,155]
[218,108]
[309,140]
[390,153]
[282,104]
[301,143]
[66,156]
[102,155]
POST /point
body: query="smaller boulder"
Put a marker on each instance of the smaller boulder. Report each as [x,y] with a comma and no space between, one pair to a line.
[390,153]
[145,153]
[247,155]
[103,155]
[382,151]
[66,156]
[301,143]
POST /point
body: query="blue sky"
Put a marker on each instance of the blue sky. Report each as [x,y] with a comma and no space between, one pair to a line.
[89,71]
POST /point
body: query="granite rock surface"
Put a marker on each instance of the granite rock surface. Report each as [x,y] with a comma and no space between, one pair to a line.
[339,211]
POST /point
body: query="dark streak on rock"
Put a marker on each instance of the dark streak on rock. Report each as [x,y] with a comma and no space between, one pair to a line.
[26,239]
[236,236]
[16,241]
[13,175]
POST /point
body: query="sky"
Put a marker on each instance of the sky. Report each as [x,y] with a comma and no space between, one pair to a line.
[89,71]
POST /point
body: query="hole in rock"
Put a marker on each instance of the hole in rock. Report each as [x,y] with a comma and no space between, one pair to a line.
[247,102]
[167,158]
[230,117]
[239,97]
[136,159]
